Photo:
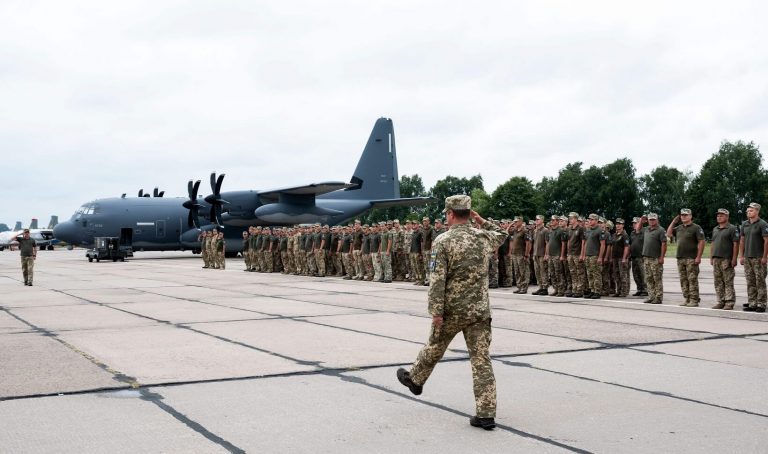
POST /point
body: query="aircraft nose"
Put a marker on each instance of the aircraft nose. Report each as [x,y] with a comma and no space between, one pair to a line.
[66,231]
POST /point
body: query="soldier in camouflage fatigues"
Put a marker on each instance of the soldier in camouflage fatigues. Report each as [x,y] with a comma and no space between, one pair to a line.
[754,255]
[654,249]
[575,268]
[724,254]
[592,253]
[387,248]
[204,248]
[620,261]
[458,302]
[690,246]
[520,250]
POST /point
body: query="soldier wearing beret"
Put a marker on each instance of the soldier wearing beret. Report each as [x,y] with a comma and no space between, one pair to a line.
[458,302]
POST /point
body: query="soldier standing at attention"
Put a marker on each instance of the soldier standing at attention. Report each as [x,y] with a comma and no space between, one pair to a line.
[28,251]
[427,236]
[204,248]
[519,252]
[754,256]
[220,248]
[636,254]
[690,246]
[507,278]
[346,254]
[592,251]
[575,239]
[607,270]
[387,249]
[357,246]
[620,258]
[725,252]
[540,235]
[654,250]
[458,302]
[399,247]
[556,248]
[377,234]
[416,254]
[213,236]
[246,256]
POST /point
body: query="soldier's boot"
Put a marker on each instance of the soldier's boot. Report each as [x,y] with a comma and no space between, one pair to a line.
[684,303]
[570,294]
[728,307]
[404,377]
[692,304]
[757,309]
[485,423]
[720,306]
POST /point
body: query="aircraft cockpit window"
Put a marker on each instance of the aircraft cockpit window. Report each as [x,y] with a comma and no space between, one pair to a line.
[85,209]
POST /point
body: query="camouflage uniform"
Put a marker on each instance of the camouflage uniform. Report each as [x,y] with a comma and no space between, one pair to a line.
[376,255]
[688,238]
[575,268]
[357,260]
[725,245]
[459,293]
[400,256]
[220,248]
[246,251]
[520,259]
[427,236]
[652,244]
[594,238]
[540,266]
[620,268]
[753,235]
[387,239]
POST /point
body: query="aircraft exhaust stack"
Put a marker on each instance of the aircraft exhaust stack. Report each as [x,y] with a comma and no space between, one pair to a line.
[53,222]
[33,224]
[17,227]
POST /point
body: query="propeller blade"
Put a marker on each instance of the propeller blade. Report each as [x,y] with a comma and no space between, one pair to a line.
[218,185]
[141,193]
[189,188]
[213,182]
[155,191]
[162,193]
[192,218]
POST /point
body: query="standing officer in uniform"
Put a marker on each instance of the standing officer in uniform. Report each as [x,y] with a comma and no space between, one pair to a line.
[204,248]
[592,251]
[725,252]
[636,255]
[387,249]
[556,245]
[654,250]
[519,249]
[690,246]
[416,255]
[246,255]
[458,302]
[576,271]
[754,256]
[28,250]
[620,260]
[428,235]
[540,236]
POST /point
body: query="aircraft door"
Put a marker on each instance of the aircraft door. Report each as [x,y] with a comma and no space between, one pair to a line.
[160,229]
[126,236]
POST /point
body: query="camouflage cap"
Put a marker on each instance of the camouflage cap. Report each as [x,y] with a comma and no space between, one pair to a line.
[653,216]
[601,219]
[722,211]
[573,214]
[580,218]
[538,216]
[519,218]
[554,217]
[620,221]
[389,222]
[754,205]
[685,211]
[593,216]
[396,221]
[458,202]
[425,218]
[636,220]
[563,218]
[609,224]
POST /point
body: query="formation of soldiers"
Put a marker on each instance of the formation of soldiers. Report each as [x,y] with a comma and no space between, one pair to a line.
[212,247]
[578,257]
[592,257]
[383,252]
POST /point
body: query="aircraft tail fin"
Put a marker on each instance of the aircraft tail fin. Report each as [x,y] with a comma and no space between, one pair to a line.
[17,227]
[33,224]
[375,177]
[52,223]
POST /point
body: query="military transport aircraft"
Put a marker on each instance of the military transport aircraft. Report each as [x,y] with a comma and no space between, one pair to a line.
[160,224]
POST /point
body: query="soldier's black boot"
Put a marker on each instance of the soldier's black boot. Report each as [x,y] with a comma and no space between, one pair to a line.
[485,423]
[405,379]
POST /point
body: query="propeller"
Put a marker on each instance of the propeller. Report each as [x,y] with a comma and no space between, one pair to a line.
[157,193]
[215,199]
[141,193]
[192,204]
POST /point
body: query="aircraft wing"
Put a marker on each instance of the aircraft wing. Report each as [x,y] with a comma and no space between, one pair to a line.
[406,202]
[310,190]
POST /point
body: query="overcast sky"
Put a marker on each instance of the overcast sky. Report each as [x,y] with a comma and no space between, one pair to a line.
[102,98]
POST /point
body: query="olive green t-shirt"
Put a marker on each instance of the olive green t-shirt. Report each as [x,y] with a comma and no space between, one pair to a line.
[593,236]
[620,242]
[27,247]
[753,234]
[636,243]
[556,238]
[518,241]
[688,237]
[575,235]
[722,241]
[366,245]
[346,243]
[375,240]
[416,242]
[652,242]
[540,242]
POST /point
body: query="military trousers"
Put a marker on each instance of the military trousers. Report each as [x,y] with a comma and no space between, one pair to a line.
[311,263]
[220,263]
[477,335]
[399,267]
[377,264]
[247,259]
[522,276]
[638,273]
[509,271]
[620,280]
[755,272]
[338,264]
[367,259]
[493,270]
[28,269]
[386,264]
[653,278]
[286,268]
[426,257]
[578,278]
[689,279]
[607,273]
[357,262]
[556,274]
[724,274]
[542,274]
[417,267]
[320,261]
[349,267]
[594,274]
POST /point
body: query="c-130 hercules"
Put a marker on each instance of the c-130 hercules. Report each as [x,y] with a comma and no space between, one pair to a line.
[164,224]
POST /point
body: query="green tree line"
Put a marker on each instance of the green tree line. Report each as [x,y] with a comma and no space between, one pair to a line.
[731,178]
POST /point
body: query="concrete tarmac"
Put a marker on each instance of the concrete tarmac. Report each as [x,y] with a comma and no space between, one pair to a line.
[159,355]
